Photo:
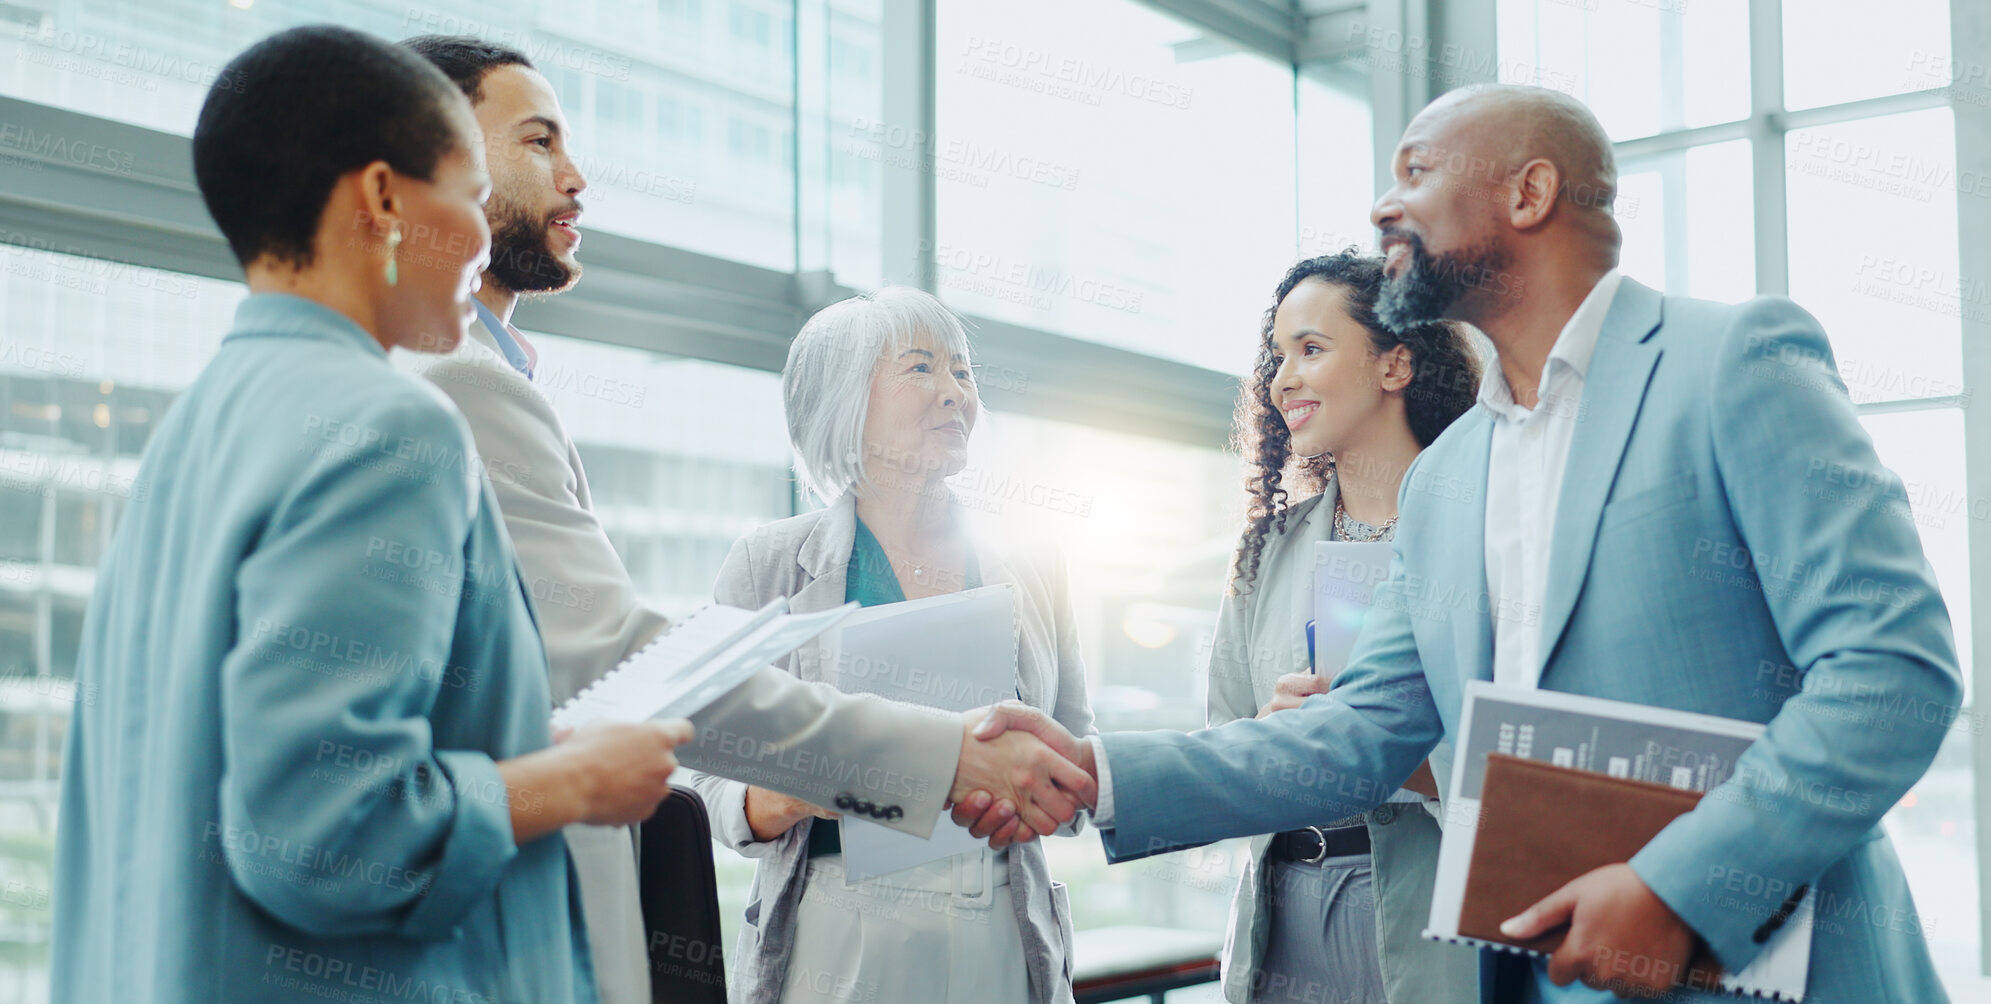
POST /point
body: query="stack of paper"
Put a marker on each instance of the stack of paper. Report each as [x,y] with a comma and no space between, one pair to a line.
[708,654]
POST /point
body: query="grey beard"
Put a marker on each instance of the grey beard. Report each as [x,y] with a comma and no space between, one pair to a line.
[1433,284]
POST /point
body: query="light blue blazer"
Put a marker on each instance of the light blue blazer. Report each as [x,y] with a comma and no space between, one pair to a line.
[308,647]
[1726,542]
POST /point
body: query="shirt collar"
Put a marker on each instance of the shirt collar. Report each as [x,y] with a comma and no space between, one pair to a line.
[1573,347]
[289,314]
[507,338]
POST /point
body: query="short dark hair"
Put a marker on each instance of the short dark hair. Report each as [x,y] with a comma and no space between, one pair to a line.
[465,59]
[301,109]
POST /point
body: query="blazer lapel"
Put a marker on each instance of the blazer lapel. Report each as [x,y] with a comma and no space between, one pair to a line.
[823,562]
[1613,392]
[1473,635]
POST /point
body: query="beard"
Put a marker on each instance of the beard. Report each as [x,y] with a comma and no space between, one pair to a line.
[1431,286]
[520,259]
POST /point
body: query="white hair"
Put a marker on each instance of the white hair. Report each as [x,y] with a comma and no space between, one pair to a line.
[826,385]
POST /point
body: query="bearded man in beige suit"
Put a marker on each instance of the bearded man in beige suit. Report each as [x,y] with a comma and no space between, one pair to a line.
[587,607]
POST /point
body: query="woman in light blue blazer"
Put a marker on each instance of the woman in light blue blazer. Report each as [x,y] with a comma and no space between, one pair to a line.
[317,766]
[1334,412]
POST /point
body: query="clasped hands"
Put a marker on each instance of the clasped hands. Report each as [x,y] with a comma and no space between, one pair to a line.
[1021,776]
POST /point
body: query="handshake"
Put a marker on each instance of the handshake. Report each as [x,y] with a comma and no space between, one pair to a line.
[1021,775]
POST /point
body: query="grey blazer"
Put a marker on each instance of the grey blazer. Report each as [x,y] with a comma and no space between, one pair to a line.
[590,618]
[1260,637]
[805,558]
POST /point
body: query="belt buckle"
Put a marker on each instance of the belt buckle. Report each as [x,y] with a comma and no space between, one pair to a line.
[1319,855]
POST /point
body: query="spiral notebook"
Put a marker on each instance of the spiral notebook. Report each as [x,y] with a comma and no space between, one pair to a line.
[1549,785]
[695,663]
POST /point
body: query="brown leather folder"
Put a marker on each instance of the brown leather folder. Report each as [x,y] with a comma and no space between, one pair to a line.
[1541,826]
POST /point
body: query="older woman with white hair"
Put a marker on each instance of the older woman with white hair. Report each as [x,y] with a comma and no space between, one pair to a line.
[880,399]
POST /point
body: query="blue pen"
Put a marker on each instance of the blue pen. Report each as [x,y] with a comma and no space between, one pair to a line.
[1310,647]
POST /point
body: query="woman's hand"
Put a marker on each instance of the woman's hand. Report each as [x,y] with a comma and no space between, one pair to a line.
[771,813]
[1293,689]
[609,774]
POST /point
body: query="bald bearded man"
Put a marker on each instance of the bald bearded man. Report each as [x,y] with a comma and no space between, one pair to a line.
[1637,510]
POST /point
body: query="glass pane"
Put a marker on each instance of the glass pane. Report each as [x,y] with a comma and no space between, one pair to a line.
[1844,50]
[1933,827]
[1644,68]
[1686,217]
[843,178]
[1873,250]
[1337,174]
[671,495]
[681,110]
[1107,173]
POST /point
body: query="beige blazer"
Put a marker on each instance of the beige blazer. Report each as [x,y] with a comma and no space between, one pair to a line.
[1261,636]
[806,558]
[590,619]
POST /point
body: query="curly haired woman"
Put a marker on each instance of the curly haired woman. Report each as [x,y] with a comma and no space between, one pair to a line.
[1334,412]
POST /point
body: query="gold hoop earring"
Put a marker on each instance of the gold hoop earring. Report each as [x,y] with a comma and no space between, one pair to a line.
[393,249]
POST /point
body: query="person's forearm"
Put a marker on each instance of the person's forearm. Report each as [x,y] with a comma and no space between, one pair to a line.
[544,792]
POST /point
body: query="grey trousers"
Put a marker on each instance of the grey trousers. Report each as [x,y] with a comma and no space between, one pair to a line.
[1321,948]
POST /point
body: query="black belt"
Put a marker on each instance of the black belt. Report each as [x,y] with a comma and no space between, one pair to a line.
[1313,844]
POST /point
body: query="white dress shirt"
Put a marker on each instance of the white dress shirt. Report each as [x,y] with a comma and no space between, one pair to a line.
[1523,483]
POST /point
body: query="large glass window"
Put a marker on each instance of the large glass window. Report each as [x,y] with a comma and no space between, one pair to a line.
[682,130]
[1844,50]
[1644,68]
[1108,173]
[1873,250]
[1336,180]
[1684,215]
[672,494]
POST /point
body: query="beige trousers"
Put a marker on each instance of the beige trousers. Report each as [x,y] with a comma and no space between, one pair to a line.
[941,933]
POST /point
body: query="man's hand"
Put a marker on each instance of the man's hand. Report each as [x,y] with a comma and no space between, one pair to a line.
[771,813]
[1621,938]
[1293,689]
[1021,775]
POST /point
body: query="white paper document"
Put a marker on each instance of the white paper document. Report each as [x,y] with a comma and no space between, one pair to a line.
[1677,748]
[1346,574]
[953,652]
[700,659]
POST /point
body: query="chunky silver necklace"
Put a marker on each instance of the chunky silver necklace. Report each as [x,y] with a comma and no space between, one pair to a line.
[1343,522]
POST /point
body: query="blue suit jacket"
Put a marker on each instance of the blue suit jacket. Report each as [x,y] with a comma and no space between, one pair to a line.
[307,650]
[1726,542]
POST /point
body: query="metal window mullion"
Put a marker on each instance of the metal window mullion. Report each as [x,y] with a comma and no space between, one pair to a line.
[910,52]
[1766,146]
[1970,36]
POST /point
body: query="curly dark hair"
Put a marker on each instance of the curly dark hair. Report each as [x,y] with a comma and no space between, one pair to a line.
[1444,383]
